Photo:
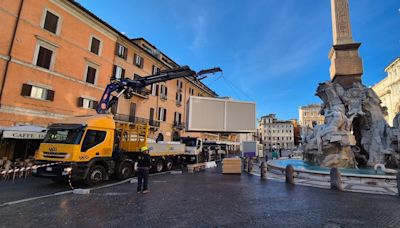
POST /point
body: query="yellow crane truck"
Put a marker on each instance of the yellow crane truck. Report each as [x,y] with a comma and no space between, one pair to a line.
[95,147]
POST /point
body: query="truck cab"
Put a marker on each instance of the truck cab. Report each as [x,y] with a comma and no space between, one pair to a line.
[194,148]
[89,148]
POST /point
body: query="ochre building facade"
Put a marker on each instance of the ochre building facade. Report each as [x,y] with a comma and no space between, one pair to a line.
[56,58]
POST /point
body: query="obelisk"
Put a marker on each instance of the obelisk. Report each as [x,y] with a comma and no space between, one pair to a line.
[346,64]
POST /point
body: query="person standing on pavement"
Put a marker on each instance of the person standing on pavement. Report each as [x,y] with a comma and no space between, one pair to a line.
[144,165]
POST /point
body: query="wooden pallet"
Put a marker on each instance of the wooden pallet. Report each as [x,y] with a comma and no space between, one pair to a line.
[196,167]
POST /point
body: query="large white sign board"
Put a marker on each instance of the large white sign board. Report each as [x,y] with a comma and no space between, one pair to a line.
[220,115]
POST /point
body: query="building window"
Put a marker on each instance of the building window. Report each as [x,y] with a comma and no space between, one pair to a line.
[162,114]
[95,46]
[154,89]
[51,22]
[164,92]
[118,72]
[37,92]
[44,57]
[87,103]
[155,70]
[121,51]
[179,84]
[91,73]
[191,91]
[138,60]
[177,118]
[178,98]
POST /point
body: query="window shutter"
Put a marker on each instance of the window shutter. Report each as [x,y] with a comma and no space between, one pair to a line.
[122,73]
[26,90]
[80,102]
[134,59]
[141,62]
[95,104]
[159,113]
[116,49]
[166,91]
[50,95]
[157,90]
[125,53]
[114,71]
[165,114]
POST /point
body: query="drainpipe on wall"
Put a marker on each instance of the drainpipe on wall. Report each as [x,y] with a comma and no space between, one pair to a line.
[10,50]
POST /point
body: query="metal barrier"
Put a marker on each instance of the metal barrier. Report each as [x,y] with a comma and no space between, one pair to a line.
[22,171]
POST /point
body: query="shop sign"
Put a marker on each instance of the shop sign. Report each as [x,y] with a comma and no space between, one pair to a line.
[23,135]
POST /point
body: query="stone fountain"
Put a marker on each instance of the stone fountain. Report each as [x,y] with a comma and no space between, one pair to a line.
[355,132]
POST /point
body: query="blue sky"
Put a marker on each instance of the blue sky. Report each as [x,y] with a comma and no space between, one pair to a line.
[273,52]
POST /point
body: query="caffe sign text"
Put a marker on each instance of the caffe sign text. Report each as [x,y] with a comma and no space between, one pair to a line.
[23,135]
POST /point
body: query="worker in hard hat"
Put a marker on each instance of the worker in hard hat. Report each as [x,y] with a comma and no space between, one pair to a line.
[144,164]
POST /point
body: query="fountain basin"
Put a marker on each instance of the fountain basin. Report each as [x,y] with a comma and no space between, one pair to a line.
[308,167]
[359,180]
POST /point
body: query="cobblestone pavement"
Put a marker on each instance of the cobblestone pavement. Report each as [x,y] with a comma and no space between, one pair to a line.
[207,199]
[28,187]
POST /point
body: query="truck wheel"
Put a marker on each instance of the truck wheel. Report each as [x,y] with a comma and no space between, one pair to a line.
[168,164]
[125,171]
[95,175]
[159,165]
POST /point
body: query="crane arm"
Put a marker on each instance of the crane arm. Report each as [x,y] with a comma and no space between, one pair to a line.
[126,86]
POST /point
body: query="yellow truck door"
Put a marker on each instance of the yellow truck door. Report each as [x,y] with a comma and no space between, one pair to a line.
[96,143]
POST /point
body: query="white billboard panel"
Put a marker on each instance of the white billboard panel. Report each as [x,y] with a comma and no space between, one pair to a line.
[220,115]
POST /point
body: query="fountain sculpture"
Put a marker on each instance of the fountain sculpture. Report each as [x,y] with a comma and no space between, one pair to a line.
[355,132]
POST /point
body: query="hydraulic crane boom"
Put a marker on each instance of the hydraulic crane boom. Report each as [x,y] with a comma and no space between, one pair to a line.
[127,86]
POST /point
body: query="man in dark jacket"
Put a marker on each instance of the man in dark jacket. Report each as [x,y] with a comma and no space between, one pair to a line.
[144,164]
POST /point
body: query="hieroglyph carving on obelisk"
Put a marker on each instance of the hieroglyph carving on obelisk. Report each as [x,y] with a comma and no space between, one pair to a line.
[341,22]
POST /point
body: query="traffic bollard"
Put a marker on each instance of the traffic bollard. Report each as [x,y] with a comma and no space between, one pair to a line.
[289,173]
[336,179]
[263,170]
[250,166]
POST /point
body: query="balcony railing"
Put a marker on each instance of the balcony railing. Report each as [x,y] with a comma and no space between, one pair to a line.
[134,119]
[179,125]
